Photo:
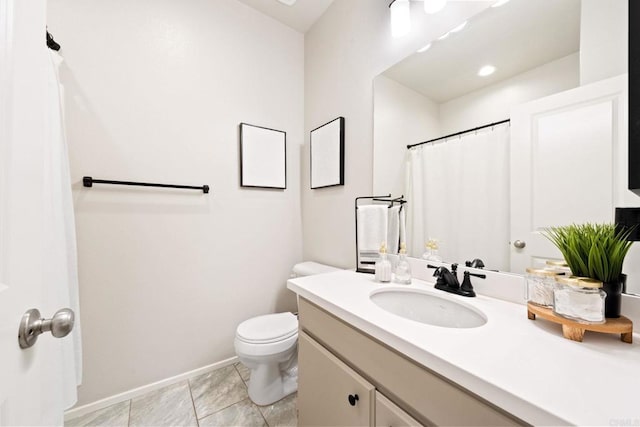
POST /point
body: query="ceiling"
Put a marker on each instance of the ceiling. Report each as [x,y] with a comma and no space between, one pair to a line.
[515,38]
[301,16]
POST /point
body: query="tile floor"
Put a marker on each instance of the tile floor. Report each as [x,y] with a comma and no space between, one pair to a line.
[218,398]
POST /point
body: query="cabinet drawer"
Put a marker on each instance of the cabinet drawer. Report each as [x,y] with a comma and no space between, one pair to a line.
[428,397]
[325,385]
[388,414]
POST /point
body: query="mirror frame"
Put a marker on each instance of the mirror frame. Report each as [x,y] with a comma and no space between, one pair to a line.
[634,96]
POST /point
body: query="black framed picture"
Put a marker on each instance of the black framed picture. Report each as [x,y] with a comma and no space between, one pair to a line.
[327,154]
[263,157]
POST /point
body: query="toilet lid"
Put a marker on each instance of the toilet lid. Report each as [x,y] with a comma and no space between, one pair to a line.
[268,328]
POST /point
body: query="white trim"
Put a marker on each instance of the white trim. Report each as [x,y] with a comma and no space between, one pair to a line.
[631,307]
[6,119]
[130,394]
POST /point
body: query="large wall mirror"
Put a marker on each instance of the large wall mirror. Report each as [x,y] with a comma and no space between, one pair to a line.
[550,72]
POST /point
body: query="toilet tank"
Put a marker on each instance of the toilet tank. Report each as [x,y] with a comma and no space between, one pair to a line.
[310,268]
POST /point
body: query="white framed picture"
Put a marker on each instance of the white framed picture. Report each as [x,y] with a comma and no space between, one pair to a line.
[263,157]
[327,154]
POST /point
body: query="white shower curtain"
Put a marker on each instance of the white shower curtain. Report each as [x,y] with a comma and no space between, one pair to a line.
[61,272]
[458,193]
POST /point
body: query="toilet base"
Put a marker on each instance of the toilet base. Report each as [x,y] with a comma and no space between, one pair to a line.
[268,384]
[273,379]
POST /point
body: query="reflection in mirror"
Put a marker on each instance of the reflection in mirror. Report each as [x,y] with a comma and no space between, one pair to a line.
[458,188]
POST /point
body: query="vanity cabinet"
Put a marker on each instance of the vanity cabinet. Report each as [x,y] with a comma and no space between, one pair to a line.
[332,394]
[336,360]
[329,392]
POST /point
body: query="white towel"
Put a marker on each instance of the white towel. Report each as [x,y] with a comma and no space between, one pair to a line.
[393,232]
[403,227]
[372,227]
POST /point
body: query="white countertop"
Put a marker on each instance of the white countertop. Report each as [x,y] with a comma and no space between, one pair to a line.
[523,366]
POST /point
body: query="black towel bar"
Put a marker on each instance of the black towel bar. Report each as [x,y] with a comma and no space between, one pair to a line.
[88,181]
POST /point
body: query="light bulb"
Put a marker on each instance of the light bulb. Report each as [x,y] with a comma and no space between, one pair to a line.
[400,18]
[434,6]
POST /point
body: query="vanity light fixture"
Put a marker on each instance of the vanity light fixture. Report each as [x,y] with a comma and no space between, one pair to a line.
[400,11]
[400,17]
[424,48]
[500,3]
[434,6]
[487,70]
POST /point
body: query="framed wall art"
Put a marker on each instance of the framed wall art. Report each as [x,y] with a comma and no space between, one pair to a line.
[327,154]
[263,157]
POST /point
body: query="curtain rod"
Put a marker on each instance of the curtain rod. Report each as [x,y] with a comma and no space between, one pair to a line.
[460,133]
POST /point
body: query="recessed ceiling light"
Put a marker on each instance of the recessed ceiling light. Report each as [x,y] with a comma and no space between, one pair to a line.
[500,3]
[487,70]
[288,2]
[424,48]
[459,27]
[444,36]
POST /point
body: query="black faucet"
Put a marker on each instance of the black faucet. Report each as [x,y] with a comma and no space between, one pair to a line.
[476,263]
[448,281]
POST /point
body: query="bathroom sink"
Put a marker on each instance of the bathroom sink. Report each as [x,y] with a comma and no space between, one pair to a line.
[424,307]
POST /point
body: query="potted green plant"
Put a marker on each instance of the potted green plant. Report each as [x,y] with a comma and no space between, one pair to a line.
[596,251]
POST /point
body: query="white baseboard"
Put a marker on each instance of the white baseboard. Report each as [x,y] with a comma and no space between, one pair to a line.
[130,394]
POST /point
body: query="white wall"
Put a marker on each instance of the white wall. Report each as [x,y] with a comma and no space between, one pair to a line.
[494,103]
[401,116]
[604,39]
[155,92]
[344,51]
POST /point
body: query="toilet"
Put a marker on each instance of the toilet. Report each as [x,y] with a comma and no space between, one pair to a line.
[267,345]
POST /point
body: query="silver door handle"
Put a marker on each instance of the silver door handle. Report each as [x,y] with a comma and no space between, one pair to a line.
[32,325]
[519,244]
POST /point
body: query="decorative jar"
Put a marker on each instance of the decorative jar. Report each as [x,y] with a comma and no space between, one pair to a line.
[580,299]
[539,286]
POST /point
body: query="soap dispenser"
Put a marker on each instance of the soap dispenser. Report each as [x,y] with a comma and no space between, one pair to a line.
[403,269]
[432,251]
[383,266]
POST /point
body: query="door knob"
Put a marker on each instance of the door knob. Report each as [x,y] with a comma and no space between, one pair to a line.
[519,244]
[353,399]
[32,325]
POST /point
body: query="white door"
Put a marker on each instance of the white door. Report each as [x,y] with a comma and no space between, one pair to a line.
[562,165]
[31,379]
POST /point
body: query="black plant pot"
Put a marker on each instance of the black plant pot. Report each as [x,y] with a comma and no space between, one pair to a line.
[613,300]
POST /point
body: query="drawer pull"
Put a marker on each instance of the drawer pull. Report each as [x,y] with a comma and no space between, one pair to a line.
[353,399]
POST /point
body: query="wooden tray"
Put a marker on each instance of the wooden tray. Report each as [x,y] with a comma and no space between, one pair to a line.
[575,330]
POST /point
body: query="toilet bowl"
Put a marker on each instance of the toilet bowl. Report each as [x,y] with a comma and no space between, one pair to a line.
[268,346]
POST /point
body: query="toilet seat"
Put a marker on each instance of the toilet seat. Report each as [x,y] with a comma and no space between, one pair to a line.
[268,329]
[249,349]
[267,335]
